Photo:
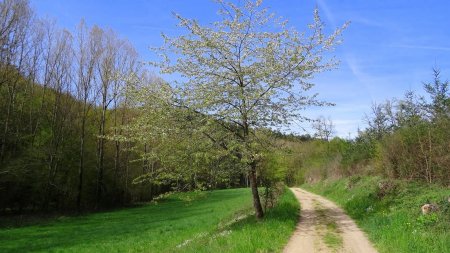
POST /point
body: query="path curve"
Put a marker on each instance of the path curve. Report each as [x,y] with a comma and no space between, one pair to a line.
[307,237]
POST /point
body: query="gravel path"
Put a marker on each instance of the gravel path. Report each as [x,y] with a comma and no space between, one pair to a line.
[324,227]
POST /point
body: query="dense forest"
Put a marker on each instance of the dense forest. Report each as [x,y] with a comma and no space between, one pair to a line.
[66,101]
[85,125]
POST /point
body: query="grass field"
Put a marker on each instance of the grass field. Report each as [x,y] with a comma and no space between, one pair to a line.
[220,221]
[392,219]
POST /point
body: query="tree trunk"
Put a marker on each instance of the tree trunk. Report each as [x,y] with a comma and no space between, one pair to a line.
[5,130]
[81,165]
[100,158]
[125,197]
[116,171]
[144,170]
[259,213]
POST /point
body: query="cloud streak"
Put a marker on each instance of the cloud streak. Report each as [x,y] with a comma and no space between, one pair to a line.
[420,47]
[328,14]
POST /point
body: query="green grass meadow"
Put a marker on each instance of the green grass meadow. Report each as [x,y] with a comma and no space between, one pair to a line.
[215,221]
[393,220]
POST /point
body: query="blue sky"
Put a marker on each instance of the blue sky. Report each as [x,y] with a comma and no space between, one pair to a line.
[390,46]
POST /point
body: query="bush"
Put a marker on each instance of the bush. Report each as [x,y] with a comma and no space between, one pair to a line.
[386,187]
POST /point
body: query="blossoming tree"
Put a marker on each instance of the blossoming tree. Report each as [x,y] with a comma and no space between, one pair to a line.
[250,70]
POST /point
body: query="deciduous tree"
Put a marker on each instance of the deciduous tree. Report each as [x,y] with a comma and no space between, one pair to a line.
[249,70]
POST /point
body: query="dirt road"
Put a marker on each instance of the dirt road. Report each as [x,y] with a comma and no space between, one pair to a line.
[324,227]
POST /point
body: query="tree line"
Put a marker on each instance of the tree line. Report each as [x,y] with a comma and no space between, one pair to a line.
[405,138]
[66,100]
[60,93]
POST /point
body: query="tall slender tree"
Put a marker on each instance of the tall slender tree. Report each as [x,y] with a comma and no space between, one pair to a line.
[88,53]
[15,19]
[60,82]
[116,62]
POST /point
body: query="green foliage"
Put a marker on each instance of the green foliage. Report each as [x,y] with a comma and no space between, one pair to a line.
[41,153]
[359,151]
[427,220]
[274,166]
[417,152]
[313,159]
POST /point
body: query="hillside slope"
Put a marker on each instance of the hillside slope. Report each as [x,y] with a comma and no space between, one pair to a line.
[390,212]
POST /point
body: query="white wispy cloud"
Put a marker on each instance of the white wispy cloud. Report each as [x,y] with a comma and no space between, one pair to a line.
[328,14]
[370,22]
[441,48]
[362,77]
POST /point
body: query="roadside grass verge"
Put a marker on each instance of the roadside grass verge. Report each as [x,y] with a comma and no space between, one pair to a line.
[391,216]
[249,235]
[162,226]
